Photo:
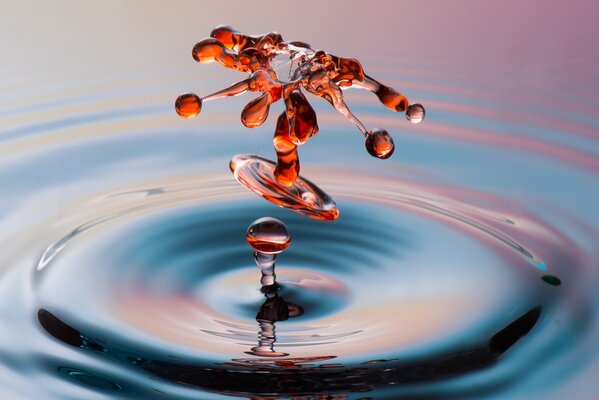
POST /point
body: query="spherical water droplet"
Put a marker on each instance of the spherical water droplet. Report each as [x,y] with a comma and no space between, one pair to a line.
[415,113]
[188,105]
[379,143]
[268,235]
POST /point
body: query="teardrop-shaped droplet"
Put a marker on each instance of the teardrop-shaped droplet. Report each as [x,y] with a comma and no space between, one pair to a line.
[379,143]
[188,105]
[303,125]
[256,111]
[415,113]
[268,235]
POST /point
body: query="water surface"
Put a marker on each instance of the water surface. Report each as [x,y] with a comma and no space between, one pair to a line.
[465,266]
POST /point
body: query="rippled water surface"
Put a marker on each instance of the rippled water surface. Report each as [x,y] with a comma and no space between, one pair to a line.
[465,266]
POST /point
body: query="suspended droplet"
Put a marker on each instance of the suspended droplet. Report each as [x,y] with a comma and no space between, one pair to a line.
[256,111]
[415,113]
[188,105]
[379,143]
[268,235]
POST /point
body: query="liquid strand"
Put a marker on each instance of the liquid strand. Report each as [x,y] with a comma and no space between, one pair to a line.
[314,71]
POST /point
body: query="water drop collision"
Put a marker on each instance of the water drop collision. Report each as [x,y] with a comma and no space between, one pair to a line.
[268,237]
[317,72]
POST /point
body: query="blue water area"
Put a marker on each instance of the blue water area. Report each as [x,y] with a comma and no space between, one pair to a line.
[464,266]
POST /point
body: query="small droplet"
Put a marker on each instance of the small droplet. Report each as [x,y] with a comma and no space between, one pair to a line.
[188,105]
[379,143]
[415,113]
[268,235]
[256,111]
[552,280]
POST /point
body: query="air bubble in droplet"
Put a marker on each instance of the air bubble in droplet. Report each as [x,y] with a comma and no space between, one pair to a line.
[379,143]
[268,235]
[309,197]
[188,105]
[415,113]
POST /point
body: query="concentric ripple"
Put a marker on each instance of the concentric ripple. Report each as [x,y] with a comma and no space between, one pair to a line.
[462,267]
[406,287]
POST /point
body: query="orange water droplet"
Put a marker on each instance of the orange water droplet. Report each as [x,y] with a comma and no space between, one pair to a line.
[256,111]
[268,235]
[188,105]
[379,143]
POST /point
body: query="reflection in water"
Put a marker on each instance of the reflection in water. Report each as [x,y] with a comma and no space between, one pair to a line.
[287,376]
[146,289]
[188,282]
[268,237]
[272,373]
[273,309]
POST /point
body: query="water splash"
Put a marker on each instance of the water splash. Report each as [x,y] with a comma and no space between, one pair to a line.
[163,300]
[317,72]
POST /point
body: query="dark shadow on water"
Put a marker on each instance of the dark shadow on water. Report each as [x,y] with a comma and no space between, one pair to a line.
[289,376]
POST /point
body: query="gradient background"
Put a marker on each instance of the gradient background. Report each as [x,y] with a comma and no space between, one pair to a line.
[511,90]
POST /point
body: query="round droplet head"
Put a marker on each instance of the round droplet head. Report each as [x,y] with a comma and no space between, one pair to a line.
[415,113]
[188,105]
[379,143]
[268,235]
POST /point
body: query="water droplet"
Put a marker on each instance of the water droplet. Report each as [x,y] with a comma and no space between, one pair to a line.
[379,143]
[256,111]
[415,113]
[268,235]
[188,105]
